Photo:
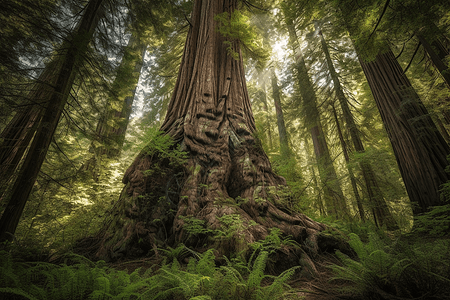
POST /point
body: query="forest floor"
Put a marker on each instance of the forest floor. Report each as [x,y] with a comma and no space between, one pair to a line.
[319,287]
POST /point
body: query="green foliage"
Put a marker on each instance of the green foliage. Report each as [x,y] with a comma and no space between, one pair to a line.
[436,222]
[400,270]
[236,27]
[194,226]
[273,241]
[231,225]
[164,145]
[82,280]
[201,279]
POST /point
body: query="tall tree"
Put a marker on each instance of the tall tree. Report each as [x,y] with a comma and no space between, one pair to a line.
[378,205]
[419,148]
[112,126]
[227,175]
[57,92]
[333,195]
[282,133]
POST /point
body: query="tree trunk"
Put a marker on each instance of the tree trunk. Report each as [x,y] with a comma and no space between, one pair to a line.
[225,185]
[70,60]
[17,135]
[112,127]
[349,169]
[378,204]
[437,53]
[333,195]
[284,144]
[419,148]
[113,124]
[266,109]
[443,129]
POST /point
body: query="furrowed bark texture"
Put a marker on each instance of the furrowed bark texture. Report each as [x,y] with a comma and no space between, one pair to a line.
[419,148]
[227,174]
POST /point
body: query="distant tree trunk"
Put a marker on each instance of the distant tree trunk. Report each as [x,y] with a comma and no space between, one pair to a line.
[443,129]
[53,106]
[227,176]
[113,124]
[266,109]
[437,53]
[284,144]
[419,148]
[378,204]
[318,201]
[334,197]
[112,127]
[350,171]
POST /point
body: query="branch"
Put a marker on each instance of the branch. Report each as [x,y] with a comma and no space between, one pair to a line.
[412,58]
[379,20]
[187,20]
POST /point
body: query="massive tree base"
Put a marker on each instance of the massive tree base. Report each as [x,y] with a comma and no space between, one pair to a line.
[164,204]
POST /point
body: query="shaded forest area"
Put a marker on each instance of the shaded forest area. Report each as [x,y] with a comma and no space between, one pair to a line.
[224,149]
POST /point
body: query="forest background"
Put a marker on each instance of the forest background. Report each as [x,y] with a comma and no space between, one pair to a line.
[351,105]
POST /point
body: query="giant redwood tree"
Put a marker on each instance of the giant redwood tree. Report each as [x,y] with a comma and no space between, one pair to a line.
[226,180]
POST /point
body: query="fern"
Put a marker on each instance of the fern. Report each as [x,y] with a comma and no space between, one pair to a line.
[411,271]
[16,291]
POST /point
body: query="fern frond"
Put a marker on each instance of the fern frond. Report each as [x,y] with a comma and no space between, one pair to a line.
[257,273]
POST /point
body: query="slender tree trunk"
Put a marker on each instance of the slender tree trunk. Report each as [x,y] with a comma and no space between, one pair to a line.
[282,133]
[437,53]
[32,163]
[319,200]
[420,149]
[334,197]
[350,171]
[112,127]
[269,123]
[443,129]
[378,204]
[227,175]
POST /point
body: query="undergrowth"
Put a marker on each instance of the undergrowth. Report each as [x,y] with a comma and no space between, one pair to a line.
[200,279]
[398,270]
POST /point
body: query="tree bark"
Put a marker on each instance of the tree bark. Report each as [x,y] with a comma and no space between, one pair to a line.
[70,60]
[419,148]
[227,175]
[266,109]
